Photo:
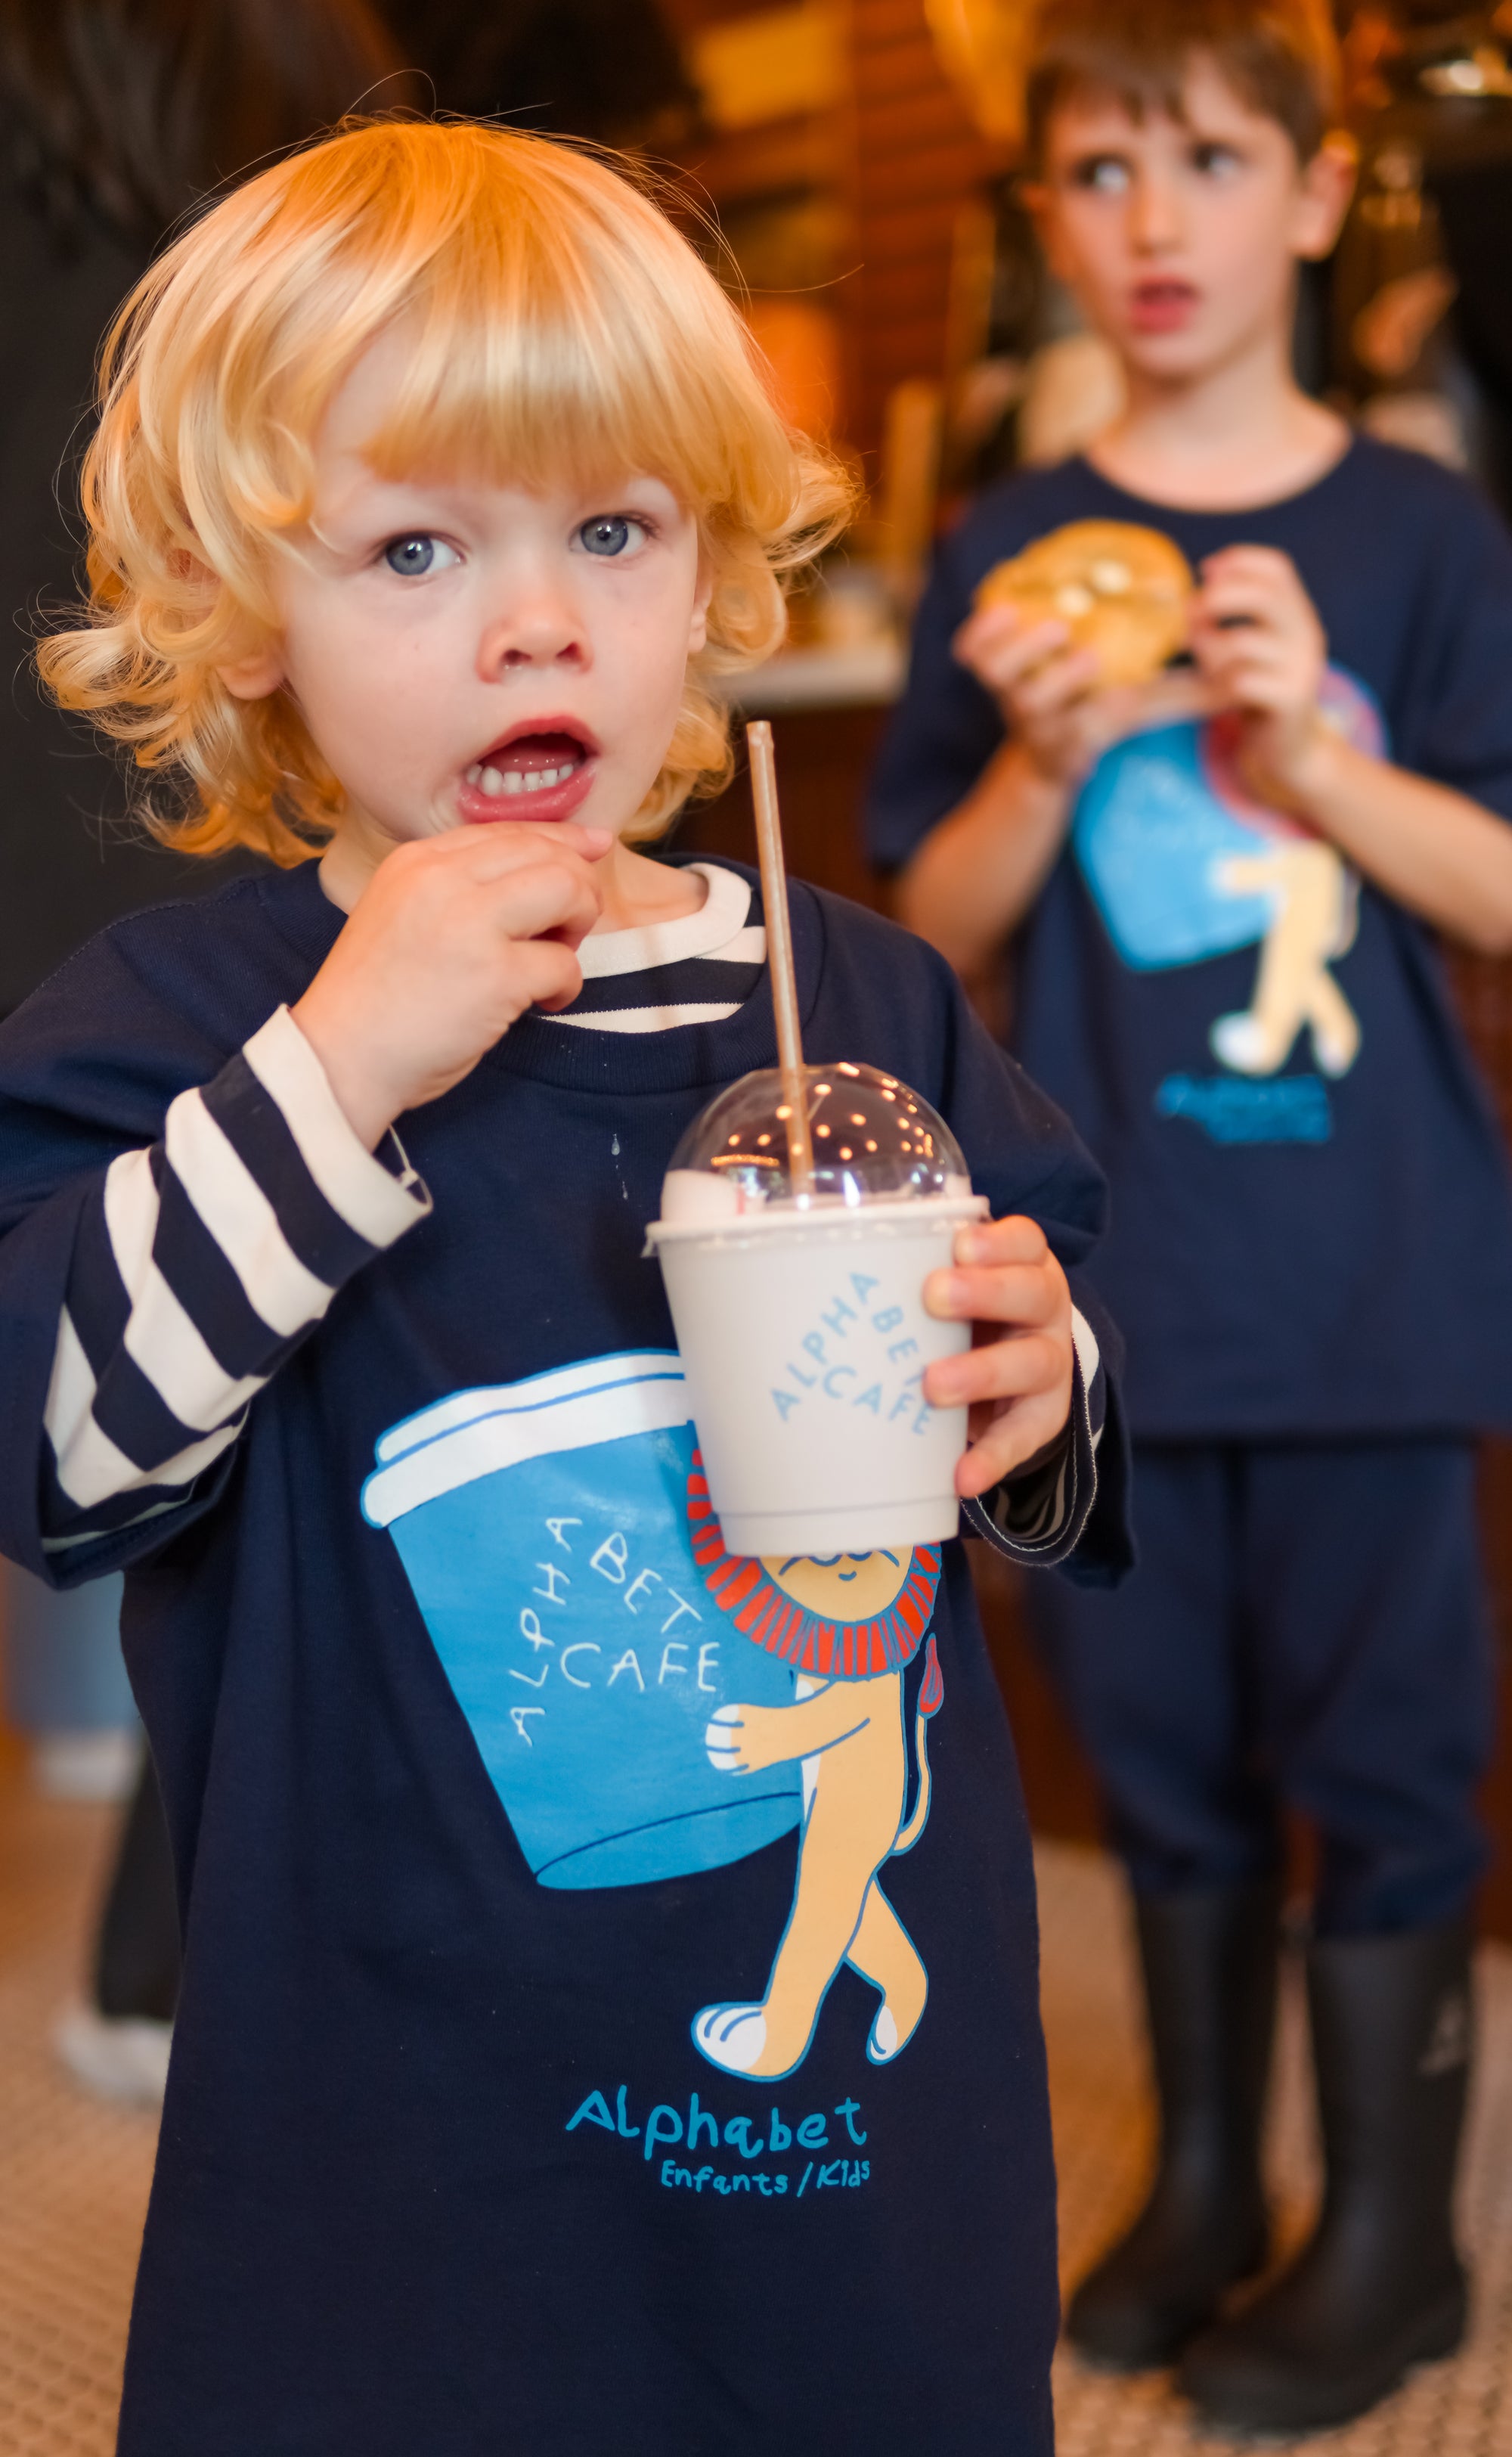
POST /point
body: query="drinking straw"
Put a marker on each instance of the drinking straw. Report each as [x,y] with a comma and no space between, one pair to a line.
[780,956]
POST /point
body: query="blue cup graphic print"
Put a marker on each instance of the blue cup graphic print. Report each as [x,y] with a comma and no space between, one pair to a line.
[544,1529]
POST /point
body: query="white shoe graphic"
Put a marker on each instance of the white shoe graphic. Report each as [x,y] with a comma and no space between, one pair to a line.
[1242,1043]
[884,2043]
[732,2036]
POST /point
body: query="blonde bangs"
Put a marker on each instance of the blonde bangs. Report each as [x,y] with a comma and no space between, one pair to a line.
[557,325]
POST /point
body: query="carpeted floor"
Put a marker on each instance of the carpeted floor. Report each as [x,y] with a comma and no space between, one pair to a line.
[73,2174]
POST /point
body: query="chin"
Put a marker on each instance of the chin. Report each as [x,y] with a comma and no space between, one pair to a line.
[1173,358]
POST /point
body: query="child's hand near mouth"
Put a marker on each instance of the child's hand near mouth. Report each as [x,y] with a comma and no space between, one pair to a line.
[450,943]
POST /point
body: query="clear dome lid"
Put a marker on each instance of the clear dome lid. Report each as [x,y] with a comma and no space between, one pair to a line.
[872,1138]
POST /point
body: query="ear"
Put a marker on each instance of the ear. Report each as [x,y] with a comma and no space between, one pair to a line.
[1038,201]
[1323,191]
[255,677]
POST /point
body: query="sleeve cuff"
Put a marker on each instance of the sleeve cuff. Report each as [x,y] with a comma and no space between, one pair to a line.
[1037,1514]
[376,1201]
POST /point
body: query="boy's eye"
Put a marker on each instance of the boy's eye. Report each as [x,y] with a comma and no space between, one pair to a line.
[1107,173]
[412,557]
[1214,161]
[612,533]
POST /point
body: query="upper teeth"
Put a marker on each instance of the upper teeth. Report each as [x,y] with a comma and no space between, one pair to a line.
[493,780]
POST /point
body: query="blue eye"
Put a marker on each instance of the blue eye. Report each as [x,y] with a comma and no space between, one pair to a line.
[412,557]
[1104,174]
[610,534]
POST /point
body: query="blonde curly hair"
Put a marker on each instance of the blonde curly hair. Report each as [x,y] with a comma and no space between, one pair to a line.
[557,323]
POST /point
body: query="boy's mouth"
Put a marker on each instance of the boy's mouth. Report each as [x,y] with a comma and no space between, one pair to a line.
[1163,306]
[540,770]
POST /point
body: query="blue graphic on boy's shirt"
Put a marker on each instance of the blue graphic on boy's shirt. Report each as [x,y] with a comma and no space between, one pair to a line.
[544,1530]
[1184,866]
[1151,836]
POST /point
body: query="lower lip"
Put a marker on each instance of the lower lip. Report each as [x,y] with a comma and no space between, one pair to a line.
[1162,311]
[564,801]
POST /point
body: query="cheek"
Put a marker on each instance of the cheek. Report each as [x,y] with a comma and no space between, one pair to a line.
[358,685]
[1249,253]
[1088,245]
[650,653]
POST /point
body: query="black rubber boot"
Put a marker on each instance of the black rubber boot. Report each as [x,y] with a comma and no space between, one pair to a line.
[1380,2286]
[1210,1982]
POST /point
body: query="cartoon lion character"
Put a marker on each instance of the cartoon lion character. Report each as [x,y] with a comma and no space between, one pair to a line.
[850,1625]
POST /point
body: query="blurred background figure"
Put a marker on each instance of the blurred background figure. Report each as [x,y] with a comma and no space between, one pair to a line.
[116,117]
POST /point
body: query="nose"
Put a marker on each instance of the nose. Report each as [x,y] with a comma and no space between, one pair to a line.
[1155,214]
[535,623]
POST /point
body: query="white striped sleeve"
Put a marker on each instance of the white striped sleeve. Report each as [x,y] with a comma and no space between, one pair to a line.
[199,1264]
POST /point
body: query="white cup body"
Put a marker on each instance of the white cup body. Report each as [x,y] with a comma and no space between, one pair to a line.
[803,1342]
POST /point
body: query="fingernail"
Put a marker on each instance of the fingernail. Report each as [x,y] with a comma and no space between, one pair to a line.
[972,1247]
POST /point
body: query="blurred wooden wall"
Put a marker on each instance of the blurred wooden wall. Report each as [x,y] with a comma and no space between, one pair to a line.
[914,160]
[901,158]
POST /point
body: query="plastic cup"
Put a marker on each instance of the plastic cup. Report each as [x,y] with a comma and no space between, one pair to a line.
[799,1315]
[547,1531]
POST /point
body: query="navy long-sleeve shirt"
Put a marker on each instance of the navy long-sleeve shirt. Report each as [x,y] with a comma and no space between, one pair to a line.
[433,1640]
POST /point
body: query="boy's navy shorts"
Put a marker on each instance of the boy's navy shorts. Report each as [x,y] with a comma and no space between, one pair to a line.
[1307,1627]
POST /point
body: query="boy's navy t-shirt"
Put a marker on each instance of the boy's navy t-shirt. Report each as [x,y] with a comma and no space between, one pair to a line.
[1311,1218]
[427,1657]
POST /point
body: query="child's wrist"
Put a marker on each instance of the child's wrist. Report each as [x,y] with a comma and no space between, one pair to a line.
[1037,772]
[1304,778]
[367,1106]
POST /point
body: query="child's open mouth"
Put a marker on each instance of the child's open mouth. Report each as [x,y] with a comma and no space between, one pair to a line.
[1163,306]
[537,772]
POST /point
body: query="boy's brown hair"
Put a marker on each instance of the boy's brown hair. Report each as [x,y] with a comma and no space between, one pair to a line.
[1281,56]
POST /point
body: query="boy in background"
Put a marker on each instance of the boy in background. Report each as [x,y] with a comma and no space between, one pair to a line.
[1223,895]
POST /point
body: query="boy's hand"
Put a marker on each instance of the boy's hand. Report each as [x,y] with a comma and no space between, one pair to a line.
[452,940]
[1047,690]
[1261,649]
[1016,1377]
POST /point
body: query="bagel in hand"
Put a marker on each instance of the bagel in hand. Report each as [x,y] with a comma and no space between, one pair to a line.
[1121,591]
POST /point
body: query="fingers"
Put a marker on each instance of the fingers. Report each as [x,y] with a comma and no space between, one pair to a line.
[504,843]
[1017,1378]
[558,894]
[1004,651]
[1055,688]
[1252,584]
[429,873]
[1027,1365]
[1019,1305]
[1264,567]
[1007,1440]
[547,974]
[523,878]
[1261,673]
[1016,1239]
